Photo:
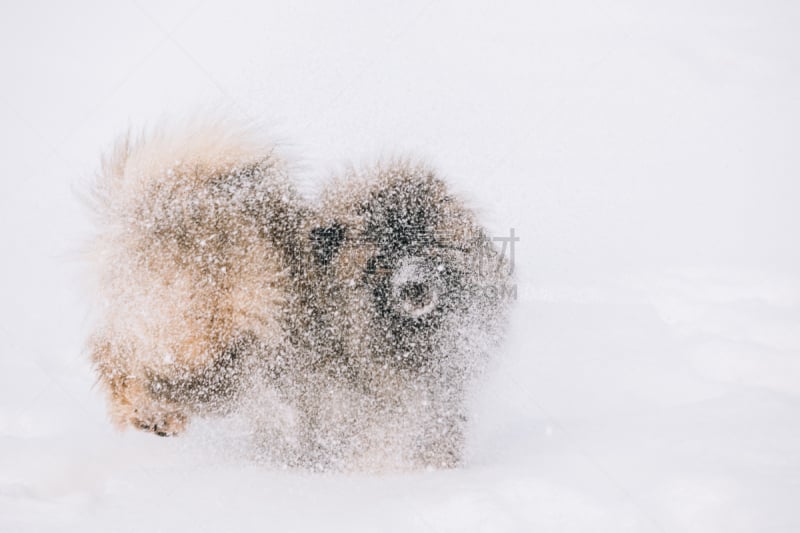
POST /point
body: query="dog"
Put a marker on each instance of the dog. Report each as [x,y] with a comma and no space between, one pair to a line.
[350,332]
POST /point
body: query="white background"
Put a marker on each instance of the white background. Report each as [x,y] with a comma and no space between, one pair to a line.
[646,155]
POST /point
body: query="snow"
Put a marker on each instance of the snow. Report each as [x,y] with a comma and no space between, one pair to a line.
[644,154]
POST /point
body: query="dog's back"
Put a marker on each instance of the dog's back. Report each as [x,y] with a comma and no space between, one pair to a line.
[195,229]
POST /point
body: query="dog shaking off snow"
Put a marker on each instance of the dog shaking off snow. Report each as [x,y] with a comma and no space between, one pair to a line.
[348,332]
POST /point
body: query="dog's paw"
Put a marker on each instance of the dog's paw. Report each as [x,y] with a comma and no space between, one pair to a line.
[133,406]
[163,424]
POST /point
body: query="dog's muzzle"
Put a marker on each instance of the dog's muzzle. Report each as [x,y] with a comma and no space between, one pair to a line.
[416,287]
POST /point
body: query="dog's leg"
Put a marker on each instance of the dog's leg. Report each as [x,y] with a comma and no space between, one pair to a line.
[130,393]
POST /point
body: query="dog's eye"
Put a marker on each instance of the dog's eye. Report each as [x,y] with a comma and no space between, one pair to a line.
[326,241]
[372,265]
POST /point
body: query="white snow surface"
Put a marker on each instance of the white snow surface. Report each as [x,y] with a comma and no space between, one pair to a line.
[645,153]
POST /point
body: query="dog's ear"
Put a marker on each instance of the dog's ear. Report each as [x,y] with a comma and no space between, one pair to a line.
[326,241]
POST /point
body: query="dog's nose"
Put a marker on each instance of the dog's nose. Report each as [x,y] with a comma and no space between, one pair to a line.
[415,287]
[415,292]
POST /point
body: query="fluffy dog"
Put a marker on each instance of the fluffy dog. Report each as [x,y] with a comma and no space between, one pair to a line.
[350,333]
[193,259]
[405,300]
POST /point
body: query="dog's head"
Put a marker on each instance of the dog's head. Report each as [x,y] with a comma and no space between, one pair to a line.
[403,261]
